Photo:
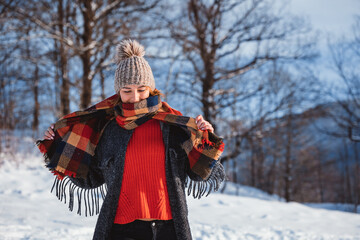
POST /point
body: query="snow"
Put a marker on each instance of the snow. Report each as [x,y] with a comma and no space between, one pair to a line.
[335,206]
[29,211]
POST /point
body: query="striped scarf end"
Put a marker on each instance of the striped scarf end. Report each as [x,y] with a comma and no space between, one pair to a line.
[211,184]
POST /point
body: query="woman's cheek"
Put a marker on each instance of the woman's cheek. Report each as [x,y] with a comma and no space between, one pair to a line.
[145,95]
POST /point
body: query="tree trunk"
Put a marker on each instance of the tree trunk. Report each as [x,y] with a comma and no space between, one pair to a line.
[348,195]
[260,157]
[64,93]
[271,177]
[35,123]
[235,172]
[207,99]
[102,84]
[356,176]
[252,166]
[320,180]
[85,57]
[288,166]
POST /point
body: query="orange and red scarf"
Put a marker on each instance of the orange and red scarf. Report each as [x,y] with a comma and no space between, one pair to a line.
[77,135]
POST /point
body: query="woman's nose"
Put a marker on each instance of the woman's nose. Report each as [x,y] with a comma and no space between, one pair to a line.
[136,97]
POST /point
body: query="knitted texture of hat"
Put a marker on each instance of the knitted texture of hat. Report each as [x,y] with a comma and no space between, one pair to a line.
[132,68]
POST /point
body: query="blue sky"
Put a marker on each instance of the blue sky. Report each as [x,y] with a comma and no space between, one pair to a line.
[328,16]
[333,20]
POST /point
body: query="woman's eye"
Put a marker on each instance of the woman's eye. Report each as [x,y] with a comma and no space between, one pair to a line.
[141,90]
[127,91]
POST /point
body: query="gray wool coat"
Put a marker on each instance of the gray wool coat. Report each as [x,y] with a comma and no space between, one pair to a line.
[108,166]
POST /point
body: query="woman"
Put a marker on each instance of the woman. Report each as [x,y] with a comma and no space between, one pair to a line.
[139,149]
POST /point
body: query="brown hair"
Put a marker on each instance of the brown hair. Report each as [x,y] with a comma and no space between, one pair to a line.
[155,92]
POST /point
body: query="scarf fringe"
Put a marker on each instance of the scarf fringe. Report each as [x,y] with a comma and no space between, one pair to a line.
[199,188]
[90,198]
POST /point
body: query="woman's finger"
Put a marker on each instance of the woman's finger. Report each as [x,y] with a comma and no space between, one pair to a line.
[205,126]
[211,129]
[51,132]
[202,124]
[208,126]
[48,136]
[205,123]
[199,118]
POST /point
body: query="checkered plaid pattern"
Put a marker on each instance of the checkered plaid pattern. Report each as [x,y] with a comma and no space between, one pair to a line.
[77,135]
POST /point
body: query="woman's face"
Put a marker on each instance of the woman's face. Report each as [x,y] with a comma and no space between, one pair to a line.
[134,93]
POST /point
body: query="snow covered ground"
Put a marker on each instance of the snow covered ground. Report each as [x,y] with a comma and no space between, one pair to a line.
[29,211]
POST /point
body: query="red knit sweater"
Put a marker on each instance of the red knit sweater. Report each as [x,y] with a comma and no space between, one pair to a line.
[144,192]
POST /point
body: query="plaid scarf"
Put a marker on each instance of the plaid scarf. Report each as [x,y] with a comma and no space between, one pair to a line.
[77,135]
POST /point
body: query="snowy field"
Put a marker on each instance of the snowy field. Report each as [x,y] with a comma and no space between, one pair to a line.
[29,211]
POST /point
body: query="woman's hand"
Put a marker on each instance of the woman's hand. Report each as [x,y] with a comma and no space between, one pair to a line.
[49,133]
[202,124]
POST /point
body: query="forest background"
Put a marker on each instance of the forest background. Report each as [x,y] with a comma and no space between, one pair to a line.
[285,96]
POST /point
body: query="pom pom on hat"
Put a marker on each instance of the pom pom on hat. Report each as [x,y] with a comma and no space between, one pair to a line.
[128,49]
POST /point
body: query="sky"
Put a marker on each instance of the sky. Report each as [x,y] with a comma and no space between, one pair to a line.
[333,21]
[331,16]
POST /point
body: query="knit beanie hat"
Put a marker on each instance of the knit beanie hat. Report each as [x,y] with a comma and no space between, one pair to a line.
[132,68]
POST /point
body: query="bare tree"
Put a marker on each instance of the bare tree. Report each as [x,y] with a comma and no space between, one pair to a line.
[64,13]
[274,142]
[83,30]
[223,46]
[222,40]
[346,58]
[346,107]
